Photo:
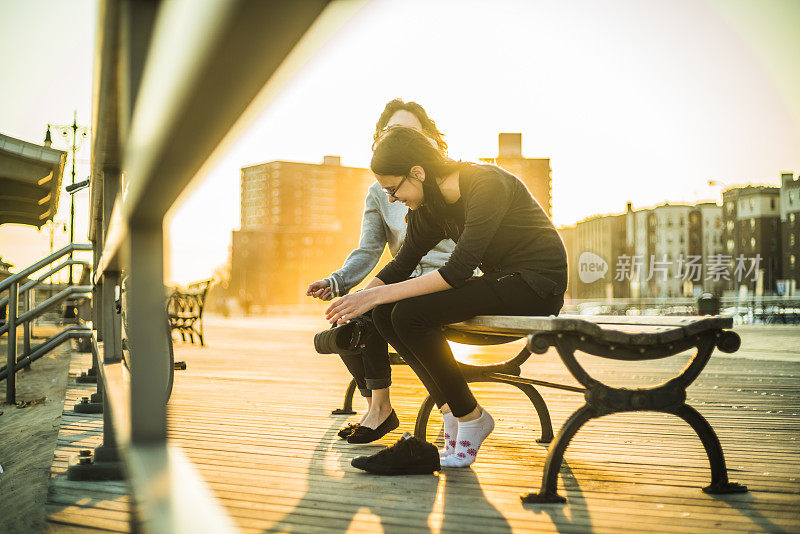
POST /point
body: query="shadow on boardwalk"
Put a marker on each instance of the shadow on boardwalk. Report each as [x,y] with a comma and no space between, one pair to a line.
[401,504]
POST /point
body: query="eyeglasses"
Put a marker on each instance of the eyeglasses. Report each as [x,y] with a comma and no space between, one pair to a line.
[391,191]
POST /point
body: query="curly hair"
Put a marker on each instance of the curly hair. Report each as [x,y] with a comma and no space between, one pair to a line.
[428,126]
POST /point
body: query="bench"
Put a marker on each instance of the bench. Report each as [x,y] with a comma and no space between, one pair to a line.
[185,310]
[619,338]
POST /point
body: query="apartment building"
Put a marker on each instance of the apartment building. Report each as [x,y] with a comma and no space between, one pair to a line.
[752,233]
[789,284]
[534,172]
[298,223]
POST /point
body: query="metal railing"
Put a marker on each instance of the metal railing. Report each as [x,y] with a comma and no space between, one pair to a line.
[752,308]
[20,289]
[171,80]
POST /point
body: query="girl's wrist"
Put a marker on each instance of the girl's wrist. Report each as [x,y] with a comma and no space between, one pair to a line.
[378,294]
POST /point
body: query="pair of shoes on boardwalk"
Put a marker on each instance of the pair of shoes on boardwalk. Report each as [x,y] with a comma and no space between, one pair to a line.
[411,456]
[365,434]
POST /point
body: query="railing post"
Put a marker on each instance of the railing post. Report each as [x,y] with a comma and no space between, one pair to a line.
[148,333]
[11,363]
[112,352]
[26,327]
[110,321]
[97,295]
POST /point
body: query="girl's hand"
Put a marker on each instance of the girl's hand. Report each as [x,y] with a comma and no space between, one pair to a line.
[320,290]
[352,305]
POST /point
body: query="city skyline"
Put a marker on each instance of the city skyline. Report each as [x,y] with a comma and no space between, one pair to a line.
[640,102]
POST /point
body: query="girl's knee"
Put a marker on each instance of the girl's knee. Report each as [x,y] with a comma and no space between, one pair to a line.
[381,318]
[405,317]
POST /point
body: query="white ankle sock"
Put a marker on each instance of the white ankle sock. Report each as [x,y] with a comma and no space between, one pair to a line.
[470,437]
[450,432]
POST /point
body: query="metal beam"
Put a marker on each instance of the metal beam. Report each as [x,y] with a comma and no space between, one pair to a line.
[206,63]
[105,104]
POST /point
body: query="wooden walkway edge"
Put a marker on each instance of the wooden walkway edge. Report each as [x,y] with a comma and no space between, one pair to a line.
[82,506]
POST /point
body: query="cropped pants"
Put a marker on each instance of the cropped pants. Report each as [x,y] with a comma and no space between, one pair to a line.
[370,368]
[414,328]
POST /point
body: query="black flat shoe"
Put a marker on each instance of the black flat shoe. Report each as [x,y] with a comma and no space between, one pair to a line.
[409,456]
[365,434]
[348,429]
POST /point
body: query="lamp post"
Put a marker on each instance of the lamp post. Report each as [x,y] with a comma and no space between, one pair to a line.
[79,134]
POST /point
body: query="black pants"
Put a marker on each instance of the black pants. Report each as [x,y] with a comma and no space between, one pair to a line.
[370,368]
[414,328]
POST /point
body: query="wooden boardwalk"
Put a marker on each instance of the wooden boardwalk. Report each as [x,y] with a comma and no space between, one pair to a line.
[252,411]
[82,506]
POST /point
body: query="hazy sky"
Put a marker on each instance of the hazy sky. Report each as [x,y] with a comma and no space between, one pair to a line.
[633,100]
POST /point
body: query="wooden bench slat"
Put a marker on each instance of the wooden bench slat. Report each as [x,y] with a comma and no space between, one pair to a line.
[660,320]
[629,330]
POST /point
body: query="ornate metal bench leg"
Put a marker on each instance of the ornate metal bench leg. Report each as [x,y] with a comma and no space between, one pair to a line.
[541,409]
[548,493]
[424,413]
[719,472]
[347,406]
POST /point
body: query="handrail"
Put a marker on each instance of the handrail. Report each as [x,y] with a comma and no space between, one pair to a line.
[164,151]
[71,332]
[52,301]
[72,247]
[33,283]
[733,299]
[46,305]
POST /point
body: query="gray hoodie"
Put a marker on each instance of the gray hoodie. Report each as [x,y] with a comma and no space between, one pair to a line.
[383,224]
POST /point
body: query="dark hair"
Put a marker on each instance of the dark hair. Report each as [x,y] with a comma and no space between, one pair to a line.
[428,126]
[400,149]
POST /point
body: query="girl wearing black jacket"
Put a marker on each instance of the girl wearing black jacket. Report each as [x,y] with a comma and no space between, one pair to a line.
[497,226]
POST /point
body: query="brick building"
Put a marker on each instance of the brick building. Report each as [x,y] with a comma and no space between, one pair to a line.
[534,172]
[653,252]
[790,234]
[567,234]
[604,237]
[752,229]
[298,223]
